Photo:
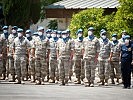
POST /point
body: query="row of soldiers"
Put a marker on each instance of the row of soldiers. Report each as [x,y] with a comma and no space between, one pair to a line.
[53,54]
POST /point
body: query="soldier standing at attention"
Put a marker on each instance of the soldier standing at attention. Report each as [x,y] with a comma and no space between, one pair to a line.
[4,37]
[40,49]
[1,55]
[48,34]
[103,58]
[53,57]
[20,47]
[114,60]
[31,59]
[64,56]
[10,60]
[78,55]
[91,50]
[71,62]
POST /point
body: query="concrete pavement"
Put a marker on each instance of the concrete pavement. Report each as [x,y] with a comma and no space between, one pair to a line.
[28,91]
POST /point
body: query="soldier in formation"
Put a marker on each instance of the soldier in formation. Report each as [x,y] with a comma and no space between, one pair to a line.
[56,56]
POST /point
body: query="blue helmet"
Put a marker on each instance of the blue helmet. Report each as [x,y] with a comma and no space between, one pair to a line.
[48,31]
[114,35]
[54,31]
[5,27]
[68,31]
[64,32]
[103,31]
[79,31]
[15,27]
[59,32]
[35,33]
[91,28]
[127,37]
[28,31]
[20,30]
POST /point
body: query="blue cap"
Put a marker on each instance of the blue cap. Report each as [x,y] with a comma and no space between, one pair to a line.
[68,31]
[15,27]
[5,27]
[79,31]
[20,30]
[28,31]
[35,33]
[64,32]
[127,37]
[54,31]
[48,30]
[103,31]
[114,35]
[59,32]
[91,28]
[40,28]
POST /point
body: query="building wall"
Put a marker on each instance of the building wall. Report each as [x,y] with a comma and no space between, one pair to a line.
[63,23]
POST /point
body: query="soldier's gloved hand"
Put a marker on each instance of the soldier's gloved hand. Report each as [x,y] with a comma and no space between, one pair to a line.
[119,62]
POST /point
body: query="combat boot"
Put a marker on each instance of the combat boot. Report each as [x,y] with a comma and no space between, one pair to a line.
[92,84]
[13,79]
[101,82]
[106,82]
[18,80]
[38,81]
[78,81]
[32,78]
[117,81]
[87,84]
[4,76]
[112,81]
[62,83]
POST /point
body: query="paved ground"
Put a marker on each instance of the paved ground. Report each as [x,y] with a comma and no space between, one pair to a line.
[28,91]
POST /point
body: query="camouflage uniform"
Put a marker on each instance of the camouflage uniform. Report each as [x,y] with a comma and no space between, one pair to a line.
[1,58]
[41,46]
[64,52]
[104,64]
[91,49]
[31,66]
[115,50]
[20,47]
[78,58]
[10,56]
[5,39]
[53,59]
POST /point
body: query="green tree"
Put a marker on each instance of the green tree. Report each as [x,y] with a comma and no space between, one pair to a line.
[20,12]
[123,18]
[87,18]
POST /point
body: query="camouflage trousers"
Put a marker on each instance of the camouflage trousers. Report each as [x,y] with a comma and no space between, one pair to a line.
[79,68]
[90,67]
[4,63]
[40,67]
[53,68]
[10,64]
[104,69]
[1,66]
[64,69]
[31,66]
[20,65]
[115,71]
